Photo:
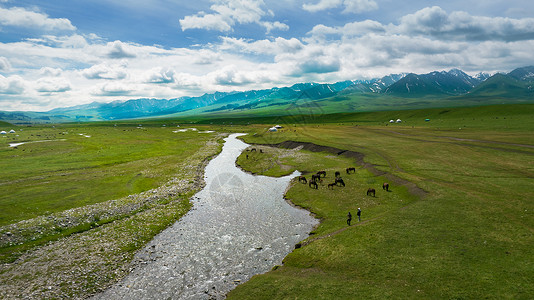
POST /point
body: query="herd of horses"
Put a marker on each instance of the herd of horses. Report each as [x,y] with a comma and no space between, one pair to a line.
[338,181]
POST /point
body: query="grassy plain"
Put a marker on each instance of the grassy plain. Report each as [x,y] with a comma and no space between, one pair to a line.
[470,237]
[78,201]
[67,166]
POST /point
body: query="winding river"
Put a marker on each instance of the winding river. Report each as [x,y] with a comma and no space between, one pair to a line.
[240,226]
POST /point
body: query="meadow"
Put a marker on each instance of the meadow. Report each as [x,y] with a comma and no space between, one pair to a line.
[79,200]
[457,223]
[468,237]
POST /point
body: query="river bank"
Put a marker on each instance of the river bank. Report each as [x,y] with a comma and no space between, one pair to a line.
[80,264]
[240,226]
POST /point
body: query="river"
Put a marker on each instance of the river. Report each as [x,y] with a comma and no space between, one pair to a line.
[240,226]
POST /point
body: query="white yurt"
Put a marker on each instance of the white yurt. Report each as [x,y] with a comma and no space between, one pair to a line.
[3,132]
[273,129]
[399,120]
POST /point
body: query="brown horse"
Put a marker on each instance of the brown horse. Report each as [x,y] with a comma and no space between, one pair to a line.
[331,185]
[351,169]
[303,179]
[316,177]
[322,173]
[371,192]
[385,186]
[313,184]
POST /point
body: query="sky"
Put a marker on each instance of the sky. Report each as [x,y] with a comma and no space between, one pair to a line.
[69,52]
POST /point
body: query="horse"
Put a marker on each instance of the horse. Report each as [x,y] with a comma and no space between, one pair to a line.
[385,186]
[314,184]
[337,174]
[351,169]
[331,185]
[340,181]
[316,177]
[303,179]
[371,192]
[253,150]
[322,173]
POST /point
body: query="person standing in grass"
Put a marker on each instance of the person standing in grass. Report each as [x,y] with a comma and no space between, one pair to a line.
[359,213]
[349,218]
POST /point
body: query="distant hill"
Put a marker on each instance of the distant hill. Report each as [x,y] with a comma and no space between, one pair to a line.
[503,86]
[523,74]
[395,91]
[454,82]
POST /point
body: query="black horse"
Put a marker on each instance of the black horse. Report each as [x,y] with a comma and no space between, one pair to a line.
[331,185]
[371,192]
[339,181]
[303,179]
[337,174]
[313,184]
[323,173]
[316,177]
[351,169]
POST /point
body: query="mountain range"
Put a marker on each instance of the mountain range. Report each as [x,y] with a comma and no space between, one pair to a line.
[453,85]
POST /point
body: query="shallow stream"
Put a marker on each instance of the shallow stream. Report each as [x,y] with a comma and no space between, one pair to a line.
[240,226]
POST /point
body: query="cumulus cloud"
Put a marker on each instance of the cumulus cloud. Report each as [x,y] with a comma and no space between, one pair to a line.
[50,72]
[118,49]
[13,85]
[52,85]
[4,64]
[113,89]
[161,75]
[436,22]
[350,6]
[274,47]
[227,13]
[105,71]
[20,17]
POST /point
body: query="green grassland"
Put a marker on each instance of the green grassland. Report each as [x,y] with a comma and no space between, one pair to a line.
[469,237]
[69,166]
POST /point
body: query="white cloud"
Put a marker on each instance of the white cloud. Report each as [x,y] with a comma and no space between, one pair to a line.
[359,6]
[118,49]
[52,85]
[436,22]
[20,17]
[322,5]
[106,71]
[270,26]
[227,13]
[161,75]
[350,6]
[113,89]
[50,72]
[13,85]
[4,64]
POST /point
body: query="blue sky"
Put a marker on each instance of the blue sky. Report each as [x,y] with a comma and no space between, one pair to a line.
[64,53]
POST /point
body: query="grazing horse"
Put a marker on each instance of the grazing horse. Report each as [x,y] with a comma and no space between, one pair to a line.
[322,173]
[331,185]
[371,192]
[337,174]
[316,177]
[303,179]
[253,150]
[340,181]
[385,186]
[313,184]
[351,169]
